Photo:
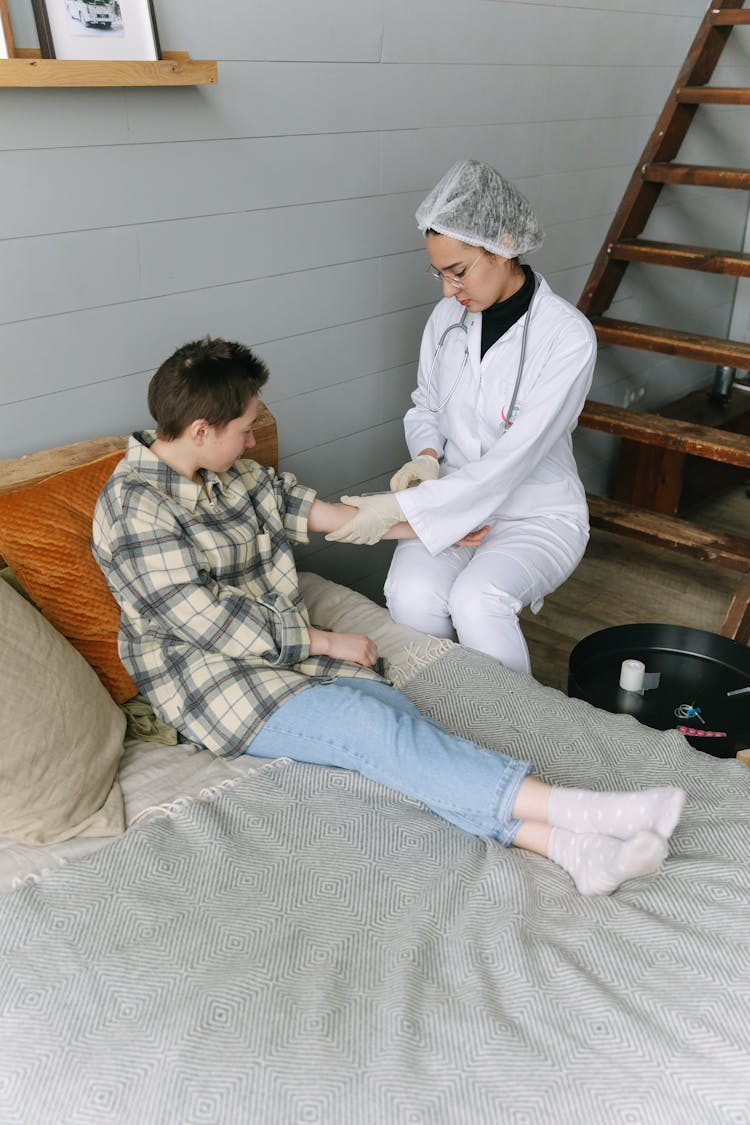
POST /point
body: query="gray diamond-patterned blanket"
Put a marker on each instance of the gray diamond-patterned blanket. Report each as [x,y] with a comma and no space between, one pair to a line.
[310,947]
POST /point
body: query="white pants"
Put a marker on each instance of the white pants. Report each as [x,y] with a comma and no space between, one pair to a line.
[474,594]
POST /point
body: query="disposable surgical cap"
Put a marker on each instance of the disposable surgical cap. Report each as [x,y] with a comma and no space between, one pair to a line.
[475,204]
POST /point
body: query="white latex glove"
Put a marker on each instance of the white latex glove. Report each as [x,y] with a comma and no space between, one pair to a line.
[376,515]
[424,467]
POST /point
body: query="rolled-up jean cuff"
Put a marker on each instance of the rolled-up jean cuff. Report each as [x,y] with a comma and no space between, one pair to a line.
[510,782]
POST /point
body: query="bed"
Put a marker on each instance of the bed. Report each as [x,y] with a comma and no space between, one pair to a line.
[185,939]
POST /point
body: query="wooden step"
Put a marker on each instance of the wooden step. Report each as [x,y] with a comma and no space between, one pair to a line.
[713,95]
[706,258]
[668,341]
[668,433]
[723,549]
[729,19]
[698,174]
[664,479]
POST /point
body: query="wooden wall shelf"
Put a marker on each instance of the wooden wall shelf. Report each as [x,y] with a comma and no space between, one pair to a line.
[175,68]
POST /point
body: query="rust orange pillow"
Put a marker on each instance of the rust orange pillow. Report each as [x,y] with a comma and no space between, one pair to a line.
[45,537]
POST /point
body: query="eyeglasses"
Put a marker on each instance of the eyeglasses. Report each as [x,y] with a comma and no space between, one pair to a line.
[446,278]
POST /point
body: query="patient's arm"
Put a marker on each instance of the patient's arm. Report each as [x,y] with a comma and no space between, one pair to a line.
[330,517]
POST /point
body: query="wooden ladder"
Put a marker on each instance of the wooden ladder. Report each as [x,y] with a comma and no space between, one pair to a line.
[669,440]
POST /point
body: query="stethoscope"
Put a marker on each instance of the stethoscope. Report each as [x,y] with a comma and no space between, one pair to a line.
[461,326]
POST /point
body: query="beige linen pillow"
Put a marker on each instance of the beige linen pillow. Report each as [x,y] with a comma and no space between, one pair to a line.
[62,735]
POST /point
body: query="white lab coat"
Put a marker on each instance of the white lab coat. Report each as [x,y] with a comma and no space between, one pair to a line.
[487,475]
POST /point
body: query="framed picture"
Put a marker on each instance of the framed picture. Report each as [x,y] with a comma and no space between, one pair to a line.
[96,29]
[6,34]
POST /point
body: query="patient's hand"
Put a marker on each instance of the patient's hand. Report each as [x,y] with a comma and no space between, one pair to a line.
[474,538]
[355,647]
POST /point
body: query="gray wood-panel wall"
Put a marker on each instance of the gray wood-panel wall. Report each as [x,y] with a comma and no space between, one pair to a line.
[277,208]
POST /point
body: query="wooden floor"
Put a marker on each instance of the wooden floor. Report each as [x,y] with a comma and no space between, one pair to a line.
[622,582]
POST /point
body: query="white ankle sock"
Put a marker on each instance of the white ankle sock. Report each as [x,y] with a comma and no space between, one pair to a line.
[598,864]
[616,814]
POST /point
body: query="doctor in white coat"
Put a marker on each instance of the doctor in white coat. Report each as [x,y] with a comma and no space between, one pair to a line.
[505,366]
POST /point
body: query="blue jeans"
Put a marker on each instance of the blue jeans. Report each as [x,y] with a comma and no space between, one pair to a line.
[368,726]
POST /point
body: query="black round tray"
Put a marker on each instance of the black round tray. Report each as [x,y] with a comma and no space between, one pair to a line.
[696,667]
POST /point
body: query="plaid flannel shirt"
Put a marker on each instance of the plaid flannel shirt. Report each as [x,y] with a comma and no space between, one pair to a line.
[213,629]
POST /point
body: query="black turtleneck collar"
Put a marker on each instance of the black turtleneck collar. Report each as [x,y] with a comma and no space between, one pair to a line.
[497,319]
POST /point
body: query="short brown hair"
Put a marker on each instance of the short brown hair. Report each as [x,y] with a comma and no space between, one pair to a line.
[210,378]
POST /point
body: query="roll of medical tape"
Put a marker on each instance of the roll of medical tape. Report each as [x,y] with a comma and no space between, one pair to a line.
[631,675]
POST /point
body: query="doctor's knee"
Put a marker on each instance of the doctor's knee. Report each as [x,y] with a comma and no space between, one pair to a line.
[471,604]
[489,623]
[412,601]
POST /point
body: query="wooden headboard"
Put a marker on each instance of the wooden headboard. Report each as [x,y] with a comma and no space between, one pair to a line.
[18,472]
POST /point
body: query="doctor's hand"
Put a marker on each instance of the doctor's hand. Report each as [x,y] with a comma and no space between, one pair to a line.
[423,467]
[474,538]
[376,516]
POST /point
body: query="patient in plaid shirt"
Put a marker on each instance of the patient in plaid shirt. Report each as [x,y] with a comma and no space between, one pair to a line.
[195,542]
